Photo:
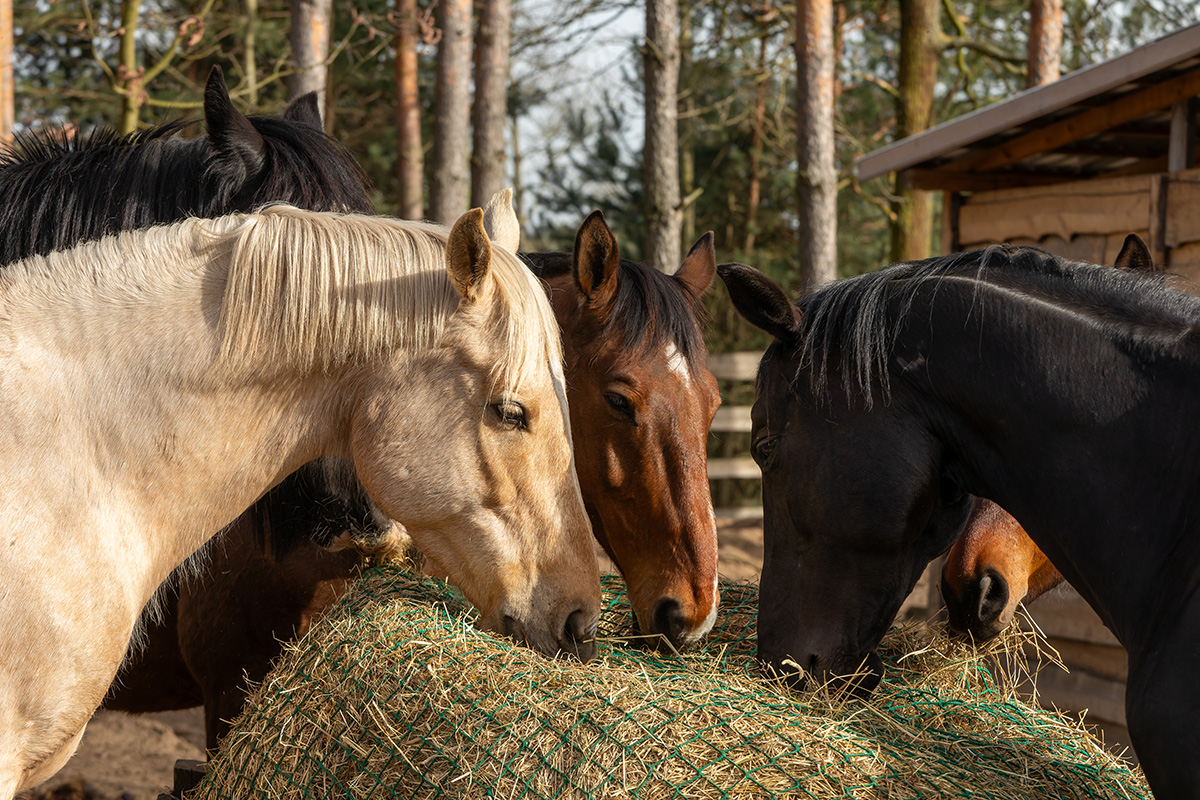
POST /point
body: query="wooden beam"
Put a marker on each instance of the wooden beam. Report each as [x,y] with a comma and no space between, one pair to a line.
[937,180]
[1096,120]
[1181,152]
[739,366]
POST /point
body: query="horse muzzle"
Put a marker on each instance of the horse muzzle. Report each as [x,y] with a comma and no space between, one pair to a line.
[854,675]
[575,636]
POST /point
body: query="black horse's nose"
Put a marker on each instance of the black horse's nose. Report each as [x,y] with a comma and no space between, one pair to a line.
[857,677]
[993,599]
[668,620]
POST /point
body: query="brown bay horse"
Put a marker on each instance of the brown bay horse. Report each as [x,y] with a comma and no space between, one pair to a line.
[640,400]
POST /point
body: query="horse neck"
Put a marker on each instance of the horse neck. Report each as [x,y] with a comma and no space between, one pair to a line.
[133,413]
[99,191]
[1049,426]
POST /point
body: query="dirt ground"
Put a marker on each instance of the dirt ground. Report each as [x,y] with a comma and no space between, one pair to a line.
[132,757]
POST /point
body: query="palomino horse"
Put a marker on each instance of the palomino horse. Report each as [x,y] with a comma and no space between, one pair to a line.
[994,566]
[640,400]
[156,383]
[1057,389]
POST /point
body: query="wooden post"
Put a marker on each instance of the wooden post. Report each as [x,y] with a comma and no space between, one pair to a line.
[1181,151]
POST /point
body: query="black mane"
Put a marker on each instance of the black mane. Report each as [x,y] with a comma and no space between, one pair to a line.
[64,188]
[851,317]
[654,309]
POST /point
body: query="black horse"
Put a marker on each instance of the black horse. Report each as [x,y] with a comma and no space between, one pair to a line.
[61,189]
[1062,391]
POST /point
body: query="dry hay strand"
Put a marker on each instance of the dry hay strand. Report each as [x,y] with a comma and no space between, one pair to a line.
[395,694]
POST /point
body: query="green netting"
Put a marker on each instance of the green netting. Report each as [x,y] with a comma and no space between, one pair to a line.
[395,694]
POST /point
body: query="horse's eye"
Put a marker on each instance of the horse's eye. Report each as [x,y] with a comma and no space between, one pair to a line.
[763,449]
[620,404]
[511,414]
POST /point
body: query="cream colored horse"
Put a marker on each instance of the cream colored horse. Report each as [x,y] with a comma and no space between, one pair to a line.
[154,384]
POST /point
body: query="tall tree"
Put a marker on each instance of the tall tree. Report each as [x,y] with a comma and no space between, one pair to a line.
[921,43]
[490,109]
[1045,41]
[7,98]
[410,160]
[309,36]
[450,181]
[664,217]
[816,181]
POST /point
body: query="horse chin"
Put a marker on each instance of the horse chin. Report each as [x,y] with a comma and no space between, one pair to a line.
[858,680]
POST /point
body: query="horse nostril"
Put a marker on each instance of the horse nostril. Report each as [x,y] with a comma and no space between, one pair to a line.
[579,638]
[993,597]
[668,619]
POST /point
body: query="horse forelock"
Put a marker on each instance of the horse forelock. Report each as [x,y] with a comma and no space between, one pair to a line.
[854,318]
[317,291]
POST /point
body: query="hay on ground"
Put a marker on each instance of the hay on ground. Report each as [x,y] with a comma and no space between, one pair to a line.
[395,694]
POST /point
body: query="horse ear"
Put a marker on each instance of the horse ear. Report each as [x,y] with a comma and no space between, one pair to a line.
[761,301]
[500,221]
[304,109]
[700,265]
[1135,255]
[229,130]
[595,260]
[468,254]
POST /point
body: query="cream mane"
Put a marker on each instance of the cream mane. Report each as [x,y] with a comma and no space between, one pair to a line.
[304,290]
[319,290]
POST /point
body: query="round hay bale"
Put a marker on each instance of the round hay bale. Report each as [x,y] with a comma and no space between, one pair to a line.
[394,694]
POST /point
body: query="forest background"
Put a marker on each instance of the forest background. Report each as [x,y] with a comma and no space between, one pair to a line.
[576,87]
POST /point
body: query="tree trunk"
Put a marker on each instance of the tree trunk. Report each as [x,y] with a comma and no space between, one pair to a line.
[7,92]
[490,110]
[754,190]
[309,37]
[410,161]
[250,42]
[660,168]
[687,130]
[921,40]
[1045,41]
[816,181]
[129,73]
[451,181]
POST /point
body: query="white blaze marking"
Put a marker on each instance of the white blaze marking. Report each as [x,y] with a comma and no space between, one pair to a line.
[677,364]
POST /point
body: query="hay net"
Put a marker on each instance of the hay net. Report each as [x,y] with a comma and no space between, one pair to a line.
[395,694]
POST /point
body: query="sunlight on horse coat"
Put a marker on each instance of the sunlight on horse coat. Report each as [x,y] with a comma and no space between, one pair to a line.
[156,383]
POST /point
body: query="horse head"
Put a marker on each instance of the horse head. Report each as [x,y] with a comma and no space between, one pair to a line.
[487,487]
[641,402]
[835,568]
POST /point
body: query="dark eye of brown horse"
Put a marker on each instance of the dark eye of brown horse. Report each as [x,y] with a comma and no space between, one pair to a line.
[619,404]
[511,415]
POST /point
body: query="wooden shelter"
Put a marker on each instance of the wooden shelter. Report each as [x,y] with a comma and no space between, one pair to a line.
[1073,167]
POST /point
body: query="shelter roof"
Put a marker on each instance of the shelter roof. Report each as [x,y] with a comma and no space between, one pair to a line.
[1112,118]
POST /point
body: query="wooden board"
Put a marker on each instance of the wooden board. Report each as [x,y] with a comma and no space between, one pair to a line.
[1036,216]
[739,366]
[1182,222]
[1065,615]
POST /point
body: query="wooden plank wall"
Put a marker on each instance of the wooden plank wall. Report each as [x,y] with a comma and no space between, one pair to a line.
[739,366]
[1088,221]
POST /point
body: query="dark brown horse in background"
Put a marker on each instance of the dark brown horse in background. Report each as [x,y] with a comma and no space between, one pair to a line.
[994,566]
[640,396]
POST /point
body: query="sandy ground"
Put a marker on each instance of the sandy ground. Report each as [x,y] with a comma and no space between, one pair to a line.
[132,757]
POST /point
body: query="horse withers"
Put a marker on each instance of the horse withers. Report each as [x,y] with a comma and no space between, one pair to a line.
[994,566]
[1052,387]
[157,382]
